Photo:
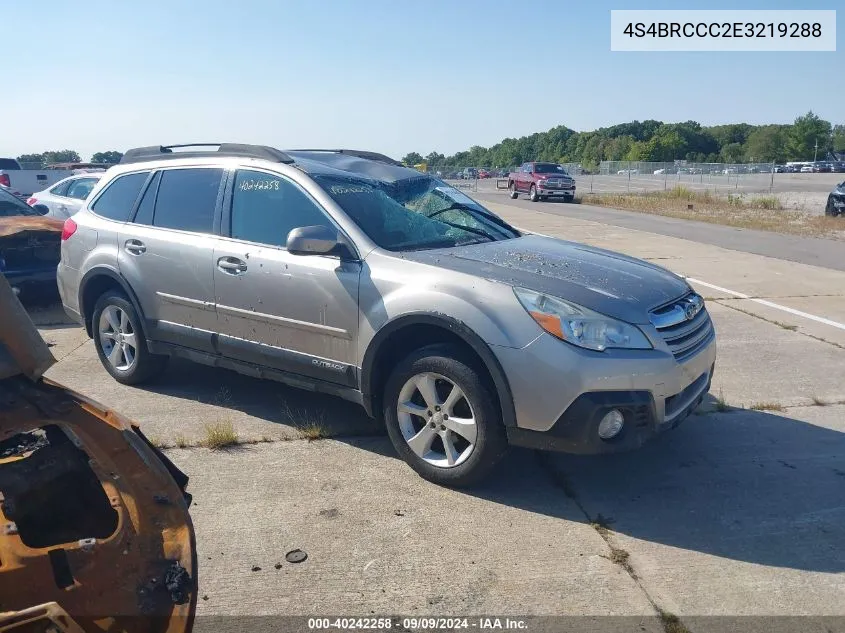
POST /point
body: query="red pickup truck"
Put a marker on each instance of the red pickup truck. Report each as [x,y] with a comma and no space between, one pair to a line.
[541,181]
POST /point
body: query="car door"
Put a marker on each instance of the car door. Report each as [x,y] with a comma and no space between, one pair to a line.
[289,312]
[523,177]
[165,253]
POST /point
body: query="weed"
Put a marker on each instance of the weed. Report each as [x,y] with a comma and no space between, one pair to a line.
[771,203]
[767,406]
[601,524]
[182,441]
[722,404]
[312,431]
[621,557]
[671,623]
[158,442]
[219,435]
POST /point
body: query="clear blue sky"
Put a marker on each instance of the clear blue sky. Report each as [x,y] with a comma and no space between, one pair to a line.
[386,75]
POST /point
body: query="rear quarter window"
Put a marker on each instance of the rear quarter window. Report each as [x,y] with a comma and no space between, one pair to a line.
[118,199]
[9,163]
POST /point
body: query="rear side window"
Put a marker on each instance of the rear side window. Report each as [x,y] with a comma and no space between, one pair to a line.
[9,163]
[81,188]
[187,198]
[117,200]
[61,190]
[145,209]
[266,208]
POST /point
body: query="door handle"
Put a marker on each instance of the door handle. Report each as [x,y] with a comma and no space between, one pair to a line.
[136,247]
[231,265]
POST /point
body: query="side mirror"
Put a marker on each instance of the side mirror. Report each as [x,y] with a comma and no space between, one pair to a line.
[317,240]
[43,209]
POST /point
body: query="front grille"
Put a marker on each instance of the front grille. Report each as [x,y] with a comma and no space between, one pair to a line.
[686,337]
[556,184]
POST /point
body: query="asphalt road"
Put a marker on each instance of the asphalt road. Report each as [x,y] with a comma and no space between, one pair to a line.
[806,250]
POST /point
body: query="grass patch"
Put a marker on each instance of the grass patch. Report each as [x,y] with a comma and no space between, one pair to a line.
[219,435]
[158,442]
[182,441]
[621,557]
[721,404]
[738,210]
[601,524]
[671,623]
[820,402]
[312,431]
[767,406]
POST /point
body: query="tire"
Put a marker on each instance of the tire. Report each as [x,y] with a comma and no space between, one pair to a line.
[512,189]
[116,324]
[532,194]
[475,450]
[830,210]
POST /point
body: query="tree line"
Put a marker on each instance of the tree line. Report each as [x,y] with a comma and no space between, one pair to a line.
[69,156]
[657,141]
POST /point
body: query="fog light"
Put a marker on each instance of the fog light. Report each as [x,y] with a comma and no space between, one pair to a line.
[611,424]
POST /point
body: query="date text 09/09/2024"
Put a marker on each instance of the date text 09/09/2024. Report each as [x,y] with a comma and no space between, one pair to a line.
[419,623]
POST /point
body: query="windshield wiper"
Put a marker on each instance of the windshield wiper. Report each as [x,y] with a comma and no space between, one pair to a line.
[470,229]
[482,212]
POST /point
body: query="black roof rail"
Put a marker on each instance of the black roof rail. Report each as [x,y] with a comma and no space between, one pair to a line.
[381,158]
[161,152]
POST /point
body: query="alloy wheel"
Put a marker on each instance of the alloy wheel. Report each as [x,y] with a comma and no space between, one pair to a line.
[118,338]
[437,420]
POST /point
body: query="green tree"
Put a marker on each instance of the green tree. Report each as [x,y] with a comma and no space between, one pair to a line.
[61,156]
[111,157]
[412,158]
[803,136]
[435,158]
[838,140]
[31,158]
[731,153]
[766,144]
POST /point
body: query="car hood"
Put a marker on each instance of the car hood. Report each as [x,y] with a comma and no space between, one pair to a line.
[610,283]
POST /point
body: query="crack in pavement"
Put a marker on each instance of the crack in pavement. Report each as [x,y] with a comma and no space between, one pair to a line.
[618,556]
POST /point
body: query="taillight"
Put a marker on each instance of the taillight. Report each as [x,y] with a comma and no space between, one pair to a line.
[32,201]
[4,180]
[68,229]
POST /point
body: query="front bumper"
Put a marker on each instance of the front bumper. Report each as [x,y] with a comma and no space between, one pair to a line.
[557,191]
[562,392]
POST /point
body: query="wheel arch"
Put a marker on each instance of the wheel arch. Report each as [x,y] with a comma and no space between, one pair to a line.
[97,281]
[404,334]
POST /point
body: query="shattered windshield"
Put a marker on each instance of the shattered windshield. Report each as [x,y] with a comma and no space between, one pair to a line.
[415,213]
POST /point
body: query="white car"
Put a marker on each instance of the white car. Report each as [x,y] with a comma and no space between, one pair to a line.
[807,169]
[66,197]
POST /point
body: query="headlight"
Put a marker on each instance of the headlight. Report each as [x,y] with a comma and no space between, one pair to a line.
[580,326]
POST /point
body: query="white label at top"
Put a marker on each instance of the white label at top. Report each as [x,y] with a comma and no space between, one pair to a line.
[723,30]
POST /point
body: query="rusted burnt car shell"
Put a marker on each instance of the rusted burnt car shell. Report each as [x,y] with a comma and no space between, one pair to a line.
[30,248]
[95,533]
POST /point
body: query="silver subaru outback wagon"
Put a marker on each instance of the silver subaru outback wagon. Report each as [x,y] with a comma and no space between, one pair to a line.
[346,273]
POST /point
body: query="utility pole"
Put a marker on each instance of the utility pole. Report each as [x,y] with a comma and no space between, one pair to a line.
[816,152]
